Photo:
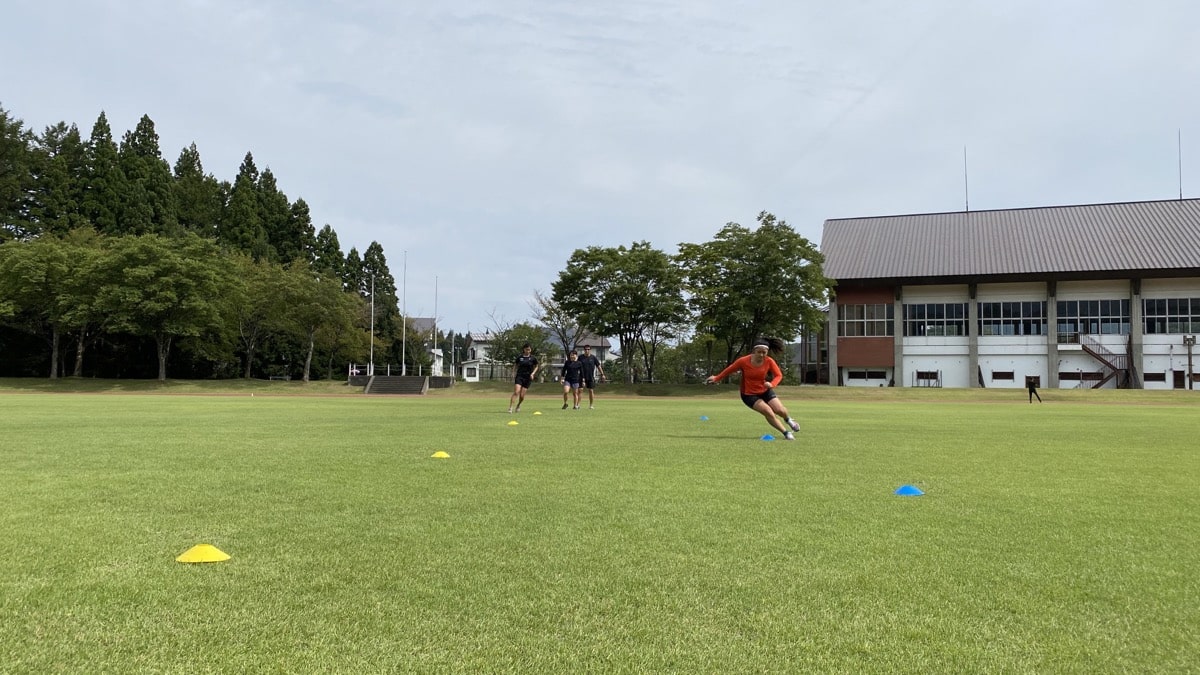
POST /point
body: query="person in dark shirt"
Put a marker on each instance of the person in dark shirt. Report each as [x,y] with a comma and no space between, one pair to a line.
[1031,385]
[572,378]
[526,368]
[591,367]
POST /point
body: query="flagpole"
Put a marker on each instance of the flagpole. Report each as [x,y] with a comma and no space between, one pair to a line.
[404,320]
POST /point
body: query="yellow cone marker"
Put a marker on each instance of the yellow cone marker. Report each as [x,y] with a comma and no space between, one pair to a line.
[440,454]
[537,412]
[203,553]
[513,423]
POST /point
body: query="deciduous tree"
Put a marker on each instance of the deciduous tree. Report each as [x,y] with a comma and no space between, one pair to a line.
[746,283]
[621,291]
[162,288]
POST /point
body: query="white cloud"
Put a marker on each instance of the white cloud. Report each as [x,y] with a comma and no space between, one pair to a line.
[490,138]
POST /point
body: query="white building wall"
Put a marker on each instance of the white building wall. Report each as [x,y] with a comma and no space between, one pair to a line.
[1093,290]
[945,293]
[1025,292]
[1159,356]
[1166,353]
[867,382]
[1028,355]
[1022,355]
[948,355]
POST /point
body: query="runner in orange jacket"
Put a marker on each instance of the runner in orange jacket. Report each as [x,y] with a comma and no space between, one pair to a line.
[760,376]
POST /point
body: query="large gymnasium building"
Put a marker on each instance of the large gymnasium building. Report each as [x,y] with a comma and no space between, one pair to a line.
[1101,295]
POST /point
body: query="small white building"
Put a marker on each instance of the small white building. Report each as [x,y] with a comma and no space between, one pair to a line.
[480,366]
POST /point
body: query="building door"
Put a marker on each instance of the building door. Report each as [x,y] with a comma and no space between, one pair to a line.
[1180,379]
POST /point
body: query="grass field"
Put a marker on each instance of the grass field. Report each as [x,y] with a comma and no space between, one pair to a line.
[633,538]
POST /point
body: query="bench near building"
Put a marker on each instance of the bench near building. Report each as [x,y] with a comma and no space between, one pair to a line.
[1100,295]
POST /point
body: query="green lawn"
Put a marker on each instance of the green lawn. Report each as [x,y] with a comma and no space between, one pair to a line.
[636,537]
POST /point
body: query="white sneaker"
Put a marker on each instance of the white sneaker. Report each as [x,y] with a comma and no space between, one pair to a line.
[793,424]
[789,435]
[591,407]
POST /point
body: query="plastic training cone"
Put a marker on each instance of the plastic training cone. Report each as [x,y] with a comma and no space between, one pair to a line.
[513,423]
[203,553]
[537,412]
[768,437]
[704,418]
[909,491]
[440,454]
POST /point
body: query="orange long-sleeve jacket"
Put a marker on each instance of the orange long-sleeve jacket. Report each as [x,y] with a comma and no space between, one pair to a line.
[754,378]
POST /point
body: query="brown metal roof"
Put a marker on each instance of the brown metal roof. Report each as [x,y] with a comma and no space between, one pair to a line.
[1160,236]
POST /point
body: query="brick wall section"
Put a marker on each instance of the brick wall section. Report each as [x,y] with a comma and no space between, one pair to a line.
[868,352]
[866,296]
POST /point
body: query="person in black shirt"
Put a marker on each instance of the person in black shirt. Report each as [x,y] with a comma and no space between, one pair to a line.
[572,378]
[1031,385]
[591,367]
[526,368]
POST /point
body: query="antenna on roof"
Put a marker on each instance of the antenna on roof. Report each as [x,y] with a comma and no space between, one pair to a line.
[966,185]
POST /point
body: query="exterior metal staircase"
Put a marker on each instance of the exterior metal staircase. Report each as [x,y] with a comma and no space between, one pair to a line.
[1119,366]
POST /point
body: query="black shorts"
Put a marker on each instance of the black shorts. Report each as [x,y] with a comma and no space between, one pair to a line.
[524,380]
[765,397]
[589,382]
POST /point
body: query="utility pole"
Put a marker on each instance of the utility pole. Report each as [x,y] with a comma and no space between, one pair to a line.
[371,359]
[1189,340]
[404,319]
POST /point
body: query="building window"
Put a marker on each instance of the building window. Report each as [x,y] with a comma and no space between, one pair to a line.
[865,320]
[1171,316]
[1091,317]
[1003,375]
[1012,318]
[866,374]
[472,372]
[1155,377]
[935,319]
[1081,376]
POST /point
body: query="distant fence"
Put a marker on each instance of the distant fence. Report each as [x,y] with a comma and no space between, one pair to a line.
[388,370]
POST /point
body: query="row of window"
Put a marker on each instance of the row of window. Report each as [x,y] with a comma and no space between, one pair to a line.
[1075,317]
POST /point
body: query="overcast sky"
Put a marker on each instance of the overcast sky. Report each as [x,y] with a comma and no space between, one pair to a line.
[480,142]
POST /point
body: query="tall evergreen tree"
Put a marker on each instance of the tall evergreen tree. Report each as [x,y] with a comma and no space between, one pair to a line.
[104,183]
[327,254]
[16,178]
[58,190]
[241,223]
[198,198]
[352,274]
[149,202]
[387,309]
[274,211]
[298,242]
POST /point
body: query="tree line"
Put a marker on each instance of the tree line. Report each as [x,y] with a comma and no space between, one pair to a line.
[679,317]
[113,263]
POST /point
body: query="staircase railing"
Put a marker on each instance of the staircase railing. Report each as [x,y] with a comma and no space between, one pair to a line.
[1116,365]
